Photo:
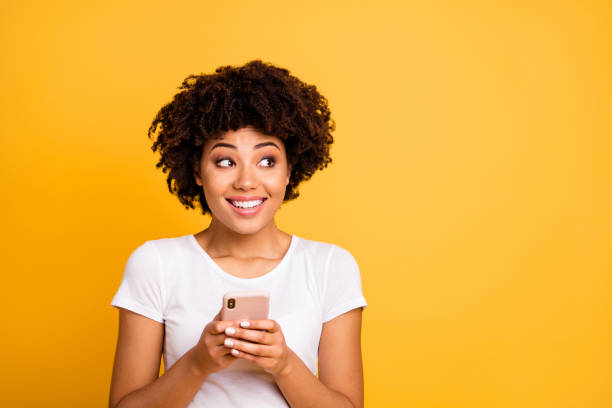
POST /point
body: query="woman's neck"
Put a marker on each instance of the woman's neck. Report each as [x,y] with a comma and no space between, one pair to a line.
[219,241]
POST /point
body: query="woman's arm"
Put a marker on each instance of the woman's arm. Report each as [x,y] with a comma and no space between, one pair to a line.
[135,381]
[340,382]
[139,349]
[340,364]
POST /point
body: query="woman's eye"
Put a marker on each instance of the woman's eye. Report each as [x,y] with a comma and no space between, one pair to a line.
[223,160]
[270,160]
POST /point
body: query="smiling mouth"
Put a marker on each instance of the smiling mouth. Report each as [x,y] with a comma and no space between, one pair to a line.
[245,208]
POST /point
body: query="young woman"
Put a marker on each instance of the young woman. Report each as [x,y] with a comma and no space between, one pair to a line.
[239,142]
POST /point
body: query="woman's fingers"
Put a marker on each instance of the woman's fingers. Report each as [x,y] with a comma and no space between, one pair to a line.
[215,339]
[219,326]
[269,325]
[259,341]
[223,351]
[255,336]
[254,349]
[263,338]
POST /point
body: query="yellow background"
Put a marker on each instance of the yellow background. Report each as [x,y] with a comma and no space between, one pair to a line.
[471,181]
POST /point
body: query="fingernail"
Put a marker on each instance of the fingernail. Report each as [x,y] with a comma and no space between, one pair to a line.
[228,343]
[245,324]
[230,331]
[235,352]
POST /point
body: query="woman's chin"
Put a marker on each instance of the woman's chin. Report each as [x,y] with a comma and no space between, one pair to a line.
[246,227]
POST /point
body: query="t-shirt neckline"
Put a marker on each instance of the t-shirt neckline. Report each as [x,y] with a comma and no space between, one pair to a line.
[218,270]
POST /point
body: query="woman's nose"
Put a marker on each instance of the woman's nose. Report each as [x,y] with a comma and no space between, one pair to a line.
[246,178]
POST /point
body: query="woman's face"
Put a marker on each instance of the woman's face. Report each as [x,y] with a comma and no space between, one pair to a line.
[244,176]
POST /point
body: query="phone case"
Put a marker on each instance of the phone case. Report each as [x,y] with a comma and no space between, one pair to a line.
[252,305]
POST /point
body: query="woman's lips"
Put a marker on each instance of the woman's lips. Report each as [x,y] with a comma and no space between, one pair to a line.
[245,198]
[246,211]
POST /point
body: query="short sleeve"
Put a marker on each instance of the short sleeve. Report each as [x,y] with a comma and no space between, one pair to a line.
[141,289]
[342,288]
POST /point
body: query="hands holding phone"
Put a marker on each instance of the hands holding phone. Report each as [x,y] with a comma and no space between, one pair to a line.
[254,337]
[259,341]
[210,355]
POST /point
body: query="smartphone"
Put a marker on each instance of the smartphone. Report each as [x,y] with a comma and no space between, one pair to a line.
[251,305]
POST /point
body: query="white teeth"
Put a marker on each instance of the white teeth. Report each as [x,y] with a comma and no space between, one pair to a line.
[247,204]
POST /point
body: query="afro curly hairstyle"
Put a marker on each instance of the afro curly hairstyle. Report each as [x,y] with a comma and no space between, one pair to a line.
[256,94]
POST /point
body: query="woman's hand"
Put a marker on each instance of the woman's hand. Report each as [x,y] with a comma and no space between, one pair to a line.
[262,342]
[210,355]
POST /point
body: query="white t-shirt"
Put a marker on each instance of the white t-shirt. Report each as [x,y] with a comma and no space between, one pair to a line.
[175,282]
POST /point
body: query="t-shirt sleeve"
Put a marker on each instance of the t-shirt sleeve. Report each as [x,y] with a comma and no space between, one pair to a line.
[141,289]
[342,288]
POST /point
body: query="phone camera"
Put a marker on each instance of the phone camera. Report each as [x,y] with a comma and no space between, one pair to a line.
[231,303]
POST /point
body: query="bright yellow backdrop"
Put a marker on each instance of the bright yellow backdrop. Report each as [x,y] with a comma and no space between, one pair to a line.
[471,181]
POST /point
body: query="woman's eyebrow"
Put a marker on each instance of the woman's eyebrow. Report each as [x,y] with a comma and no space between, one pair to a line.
[257,146]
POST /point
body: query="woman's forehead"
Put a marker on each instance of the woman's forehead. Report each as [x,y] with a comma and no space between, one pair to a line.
[244,135]
[244,138]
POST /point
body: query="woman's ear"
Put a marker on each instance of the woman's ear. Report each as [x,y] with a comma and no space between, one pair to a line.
[288,174]
[197,163]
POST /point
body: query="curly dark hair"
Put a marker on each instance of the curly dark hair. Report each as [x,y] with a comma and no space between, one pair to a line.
[257,94]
